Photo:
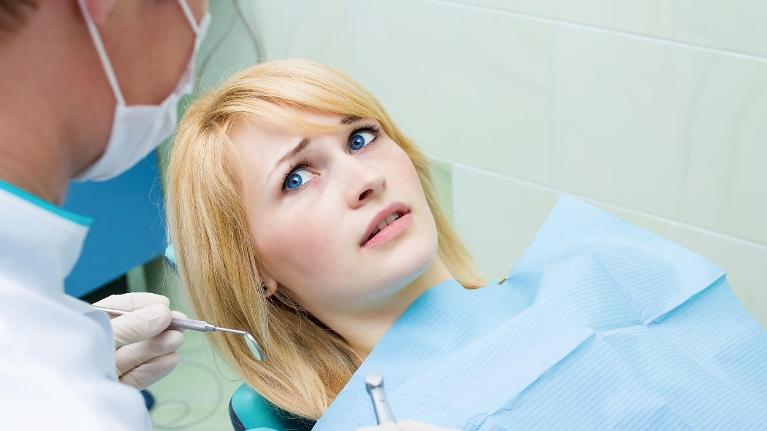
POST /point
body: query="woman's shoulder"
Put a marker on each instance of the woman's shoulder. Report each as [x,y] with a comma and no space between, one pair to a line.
[605,272]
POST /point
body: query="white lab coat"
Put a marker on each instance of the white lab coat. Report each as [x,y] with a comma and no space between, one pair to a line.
[57,368]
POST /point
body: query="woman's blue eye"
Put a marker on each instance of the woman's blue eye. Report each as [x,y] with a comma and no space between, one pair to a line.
[360,139]
[297,175]
[294,180]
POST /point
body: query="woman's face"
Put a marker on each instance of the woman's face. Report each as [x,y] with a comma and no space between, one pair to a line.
[309,214]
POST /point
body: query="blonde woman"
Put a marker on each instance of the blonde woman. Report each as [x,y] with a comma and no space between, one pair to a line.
[300,212]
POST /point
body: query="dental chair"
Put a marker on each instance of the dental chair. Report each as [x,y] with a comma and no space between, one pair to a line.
[248,410]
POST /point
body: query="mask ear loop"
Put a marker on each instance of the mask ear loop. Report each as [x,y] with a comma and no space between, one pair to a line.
[102,53]
[189,16]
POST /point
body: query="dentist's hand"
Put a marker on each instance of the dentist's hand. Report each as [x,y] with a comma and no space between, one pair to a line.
[145,350]
[406,426]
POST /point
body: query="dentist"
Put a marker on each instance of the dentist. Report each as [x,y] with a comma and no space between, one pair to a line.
[87,89]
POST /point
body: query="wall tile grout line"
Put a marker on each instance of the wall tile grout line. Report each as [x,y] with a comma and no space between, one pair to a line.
[677,223]
[600,29]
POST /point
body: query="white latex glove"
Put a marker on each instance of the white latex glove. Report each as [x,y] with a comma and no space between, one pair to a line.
[145,350]
[405,426]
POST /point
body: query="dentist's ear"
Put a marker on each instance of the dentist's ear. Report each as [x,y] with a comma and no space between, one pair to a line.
[99,9]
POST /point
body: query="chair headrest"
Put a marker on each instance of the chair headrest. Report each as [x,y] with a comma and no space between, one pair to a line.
[170,258]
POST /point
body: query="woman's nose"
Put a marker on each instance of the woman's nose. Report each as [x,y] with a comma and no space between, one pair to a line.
[365,182]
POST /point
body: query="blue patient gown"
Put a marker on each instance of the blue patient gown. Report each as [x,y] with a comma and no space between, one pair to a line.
[600,325]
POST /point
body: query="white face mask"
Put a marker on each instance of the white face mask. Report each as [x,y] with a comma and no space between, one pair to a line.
[138,129]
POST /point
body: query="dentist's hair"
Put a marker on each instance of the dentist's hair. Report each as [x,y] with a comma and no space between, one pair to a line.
[307,364]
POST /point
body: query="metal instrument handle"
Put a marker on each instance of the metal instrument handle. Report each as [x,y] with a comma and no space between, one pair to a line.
[194,325]
[175,323]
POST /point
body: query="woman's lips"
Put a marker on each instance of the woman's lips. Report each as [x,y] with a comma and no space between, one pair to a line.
[394,207]
[391,231]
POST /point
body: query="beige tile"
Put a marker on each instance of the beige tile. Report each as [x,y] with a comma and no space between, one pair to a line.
[668,131]
[466,85]
[497,218]
[304,29]
[738,25]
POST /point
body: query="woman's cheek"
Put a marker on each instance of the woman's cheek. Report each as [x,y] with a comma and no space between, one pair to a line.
[303,246]
[409,171]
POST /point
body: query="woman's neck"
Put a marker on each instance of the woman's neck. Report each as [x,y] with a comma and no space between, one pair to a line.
[363,332]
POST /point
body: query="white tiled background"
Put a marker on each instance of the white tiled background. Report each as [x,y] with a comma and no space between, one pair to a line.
[653,109]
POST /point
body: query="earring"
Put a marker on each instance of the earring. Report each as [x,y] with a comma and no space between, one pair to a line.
[263,285]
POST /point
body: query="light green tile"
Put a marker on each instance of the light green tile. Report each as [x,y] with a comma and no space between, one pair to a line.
[136,279]
[442,176]
[195,395]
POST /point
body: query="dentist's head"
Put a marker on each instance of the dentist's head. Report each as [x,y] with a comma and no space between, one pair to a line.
[137,128]
[90,86]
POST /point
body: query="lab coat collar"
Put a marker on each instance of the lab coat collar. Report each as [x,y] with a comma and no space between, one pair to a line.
[40,242]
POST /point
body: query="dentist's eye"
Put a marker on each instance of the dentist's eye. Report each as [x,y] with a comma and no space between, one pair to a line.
[296,178]
[362,137]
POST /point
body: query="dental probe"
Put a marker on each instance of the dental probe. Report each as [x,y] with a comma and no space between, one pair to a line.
[375,387]
[201,326]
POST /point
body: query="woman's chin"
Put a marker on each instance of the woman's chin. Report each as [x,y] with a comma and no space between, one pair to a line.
[407,263]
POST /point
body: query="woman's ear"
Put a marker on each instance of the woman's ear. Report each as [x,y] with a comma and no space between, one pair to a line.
[269,286]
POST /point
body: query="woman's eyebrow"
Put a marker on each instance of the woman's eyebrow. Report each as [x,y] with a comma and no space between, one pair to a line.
[350,119]
[306,141]
[292,153]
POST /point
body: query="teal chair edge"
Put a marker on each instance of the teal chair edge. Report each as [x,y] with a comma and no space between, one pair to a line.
[250,411]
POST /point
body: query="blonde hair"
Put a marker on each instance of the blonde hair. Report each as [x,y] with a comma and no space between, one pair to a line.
[307,364]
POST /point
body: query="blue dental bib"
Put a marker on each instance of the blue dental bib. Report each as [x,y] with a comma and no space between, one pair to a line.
[600,325]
